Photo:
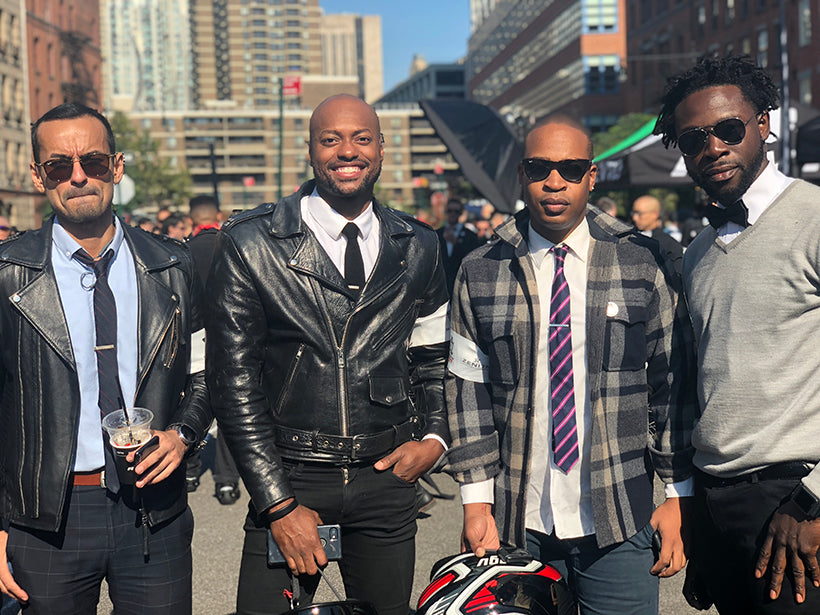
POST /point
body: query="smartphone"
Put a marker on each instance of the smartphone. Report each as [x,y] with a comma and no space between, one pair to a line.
[146,449]
[656,545]
[329,535]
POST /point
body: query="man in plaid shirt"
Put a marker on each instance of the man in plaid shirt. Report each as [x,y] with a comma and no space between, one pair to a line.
[581,501]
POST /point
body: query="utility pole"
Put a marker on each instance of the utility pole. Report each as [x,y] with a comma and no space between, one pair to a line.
[214,178]
[281,131]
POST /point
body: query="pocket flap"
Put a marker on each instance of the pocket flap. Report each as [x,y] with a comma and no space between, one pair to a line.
[387,390]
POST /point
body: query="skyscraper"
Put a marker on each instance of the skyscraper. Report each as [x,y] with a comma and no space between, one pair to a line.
[352,46]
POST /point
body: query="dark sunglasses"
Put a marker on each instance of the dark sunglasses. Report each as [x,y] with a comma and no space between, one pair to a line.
[95,166]
[537,169]
[731,131]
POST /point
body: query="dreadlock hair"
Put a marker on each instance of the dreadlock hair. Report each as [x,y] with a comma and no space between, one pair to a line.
[738,70]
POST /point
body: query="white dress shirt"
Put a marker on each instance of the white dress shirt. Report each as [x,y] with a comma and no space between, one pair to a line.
[762,193]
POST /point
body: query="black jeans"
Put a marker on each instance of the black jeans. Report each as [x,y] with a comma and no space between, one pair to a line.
[377,513]
[730,525]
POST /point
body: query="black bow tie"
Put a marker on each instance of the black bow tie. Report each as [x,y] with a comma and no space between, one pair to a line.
[736,212]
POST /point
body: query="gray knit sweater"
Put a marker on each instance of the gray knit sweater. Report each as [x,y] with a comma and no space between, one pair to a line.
[755,308]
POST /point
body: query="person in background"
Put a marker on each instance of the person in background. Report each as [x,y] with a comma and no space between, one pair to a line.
[571,364]
[752,284]
[457,241]
[327,349]
[6,228]
[174,227]
[608,206]
[646,215]
[100,316]
[205,215]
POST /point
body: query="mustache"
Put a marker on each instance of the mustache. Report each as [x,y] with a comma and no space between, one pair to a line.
[71,193]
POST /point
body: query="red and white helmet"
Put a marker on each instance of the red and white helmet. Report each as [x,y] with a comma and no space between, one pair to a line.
[498,583]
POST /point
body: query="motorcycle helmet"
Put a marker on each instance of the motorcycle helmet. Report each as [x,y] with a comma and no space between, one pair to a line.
[500,582]
[342,607]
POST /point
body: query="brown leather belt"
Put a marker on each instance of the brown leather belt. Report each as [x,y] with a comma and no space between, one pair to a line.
[363,446]
[89,479]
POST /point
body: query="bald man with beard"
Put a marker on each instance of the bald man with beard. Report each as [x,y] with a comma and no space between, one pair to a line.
[327,344]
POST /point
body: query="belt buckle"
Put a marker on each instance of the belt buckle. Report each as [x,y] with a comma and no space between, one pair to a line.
[356,446]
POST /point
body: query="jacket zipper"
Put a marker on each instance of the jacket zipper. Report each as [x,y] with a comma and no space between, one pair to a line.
[172,350]
[156,351]
[291,375]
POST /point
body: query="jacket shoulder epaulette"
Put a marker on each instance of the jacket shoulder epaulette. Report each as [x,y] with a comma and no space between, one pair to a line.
[248,214]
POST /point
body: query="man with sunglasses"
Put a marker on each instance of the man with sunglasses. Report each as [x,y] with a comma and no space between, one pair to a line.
[98,315]
[570,359]
[456,240]
[752,281]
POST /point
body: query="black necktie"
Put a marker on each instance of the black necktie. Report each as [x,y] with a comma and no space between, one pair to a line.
[354,265]
[105,347]
[736,212]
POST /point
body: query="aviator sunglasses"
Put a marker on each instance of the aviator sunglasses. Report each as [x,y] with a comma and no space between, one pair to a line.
[95,166]
[573,170]
[731,131]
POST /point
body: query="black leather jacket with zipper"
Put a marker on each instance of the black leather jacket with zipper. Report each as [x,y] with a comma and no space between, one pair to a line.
[300,368]
[40,398]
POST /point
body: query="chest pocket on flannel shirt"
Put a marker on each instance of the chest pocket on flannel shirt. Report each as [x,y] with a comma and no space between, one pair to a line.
[625,338]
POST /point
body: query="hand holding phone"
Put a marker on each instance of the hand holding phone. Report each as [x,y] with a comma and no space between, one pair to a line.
[329,535]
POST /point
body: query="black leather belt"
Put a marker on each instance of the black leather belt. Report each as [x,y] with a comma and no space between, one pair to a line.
[363,446]
[789,469]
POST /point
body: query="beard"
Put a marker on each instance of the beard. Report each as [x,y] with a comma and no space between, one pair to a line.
[326,182]
[729,192]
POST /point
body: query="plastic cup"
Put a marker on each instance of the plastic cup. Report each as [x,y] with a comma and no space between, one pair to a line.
[126,436]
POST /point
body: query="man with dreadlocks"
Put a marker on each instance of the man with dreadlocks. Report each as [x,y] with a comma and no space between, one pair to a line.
[752,280]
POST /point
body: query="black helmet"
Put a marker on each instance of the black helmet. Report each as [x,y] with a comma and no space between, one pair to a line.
[500,582]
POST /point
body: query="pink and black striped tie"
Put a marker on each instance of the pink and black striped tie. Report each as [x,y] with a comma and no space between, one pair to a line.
[562,387]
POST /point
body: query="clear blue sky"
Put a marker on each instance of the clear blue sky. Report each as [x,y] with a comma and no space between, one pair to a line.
[437,29]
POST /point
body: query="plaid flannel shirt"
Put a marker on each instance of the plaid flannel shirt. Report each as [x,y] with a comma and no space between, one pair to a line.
[640,366]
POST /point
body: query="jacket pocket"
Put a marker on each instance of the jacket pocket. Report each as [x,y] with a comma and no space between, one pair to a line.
[284,393]
[173,339]
[625,339]
[503,368]
[387,390]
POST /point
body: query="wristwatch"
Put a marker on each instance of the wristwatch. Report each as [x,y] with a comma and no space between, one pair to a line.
[806,501]
[187,435]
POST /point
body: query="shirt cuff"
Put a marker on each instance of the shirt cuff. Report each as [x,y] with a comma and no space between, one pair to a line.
[431,329]
[478,493]
[432,436]
[680,489]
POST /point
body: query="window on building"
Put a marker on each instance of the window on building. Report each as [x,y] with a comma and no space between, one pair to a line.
[701,19]
[804,87]
[746,45]
[804,22]
[730,11]
[395,123]
[600,15]
[396,139]
[715,13]
[743,9]
[763,48]
[601,74]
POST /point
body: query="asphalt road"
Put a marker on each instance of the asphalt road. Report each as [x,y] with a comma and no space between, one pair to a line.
[218,536]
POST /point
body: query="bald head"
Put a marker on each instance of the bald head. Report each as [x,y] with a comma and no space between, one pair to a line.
[345,151]
[562,119]
[646,213]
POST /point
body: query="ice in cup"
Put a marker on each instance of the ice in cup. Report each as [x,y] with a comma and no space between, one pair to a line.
[127,434]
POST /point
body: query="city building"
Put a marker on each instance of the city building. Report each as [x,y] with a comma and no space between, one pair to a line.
[352,46]
[147,49]
[16,191]
[242,49]
[664,36]
[530,58]
[64,56]
[435,81]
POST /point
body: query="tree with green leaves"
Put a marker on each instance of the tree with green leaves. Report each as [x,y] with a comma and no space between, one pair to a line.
[624,127]
[157,181]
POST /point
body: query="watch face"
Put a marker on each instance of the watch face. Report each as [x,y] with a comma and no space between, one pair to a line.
[186,434]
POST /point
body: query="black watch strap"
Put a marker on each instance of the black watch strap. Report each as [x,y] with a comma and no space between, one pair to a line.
[806,501]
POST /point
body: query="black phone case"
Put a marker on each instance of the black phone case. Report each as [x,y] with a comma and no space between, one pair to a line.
[329,535]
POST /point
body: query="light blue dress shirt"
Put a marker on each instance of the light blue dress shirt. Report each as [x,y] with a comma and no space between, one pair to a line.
[75,283]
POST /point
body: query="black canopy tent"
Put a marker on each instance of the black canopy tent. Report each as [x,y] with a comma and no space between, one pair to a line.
[483,144]
[808,142]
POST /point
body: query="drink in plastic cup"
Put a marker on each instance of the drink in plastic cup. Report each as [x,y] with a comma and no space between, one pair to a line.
[126,436]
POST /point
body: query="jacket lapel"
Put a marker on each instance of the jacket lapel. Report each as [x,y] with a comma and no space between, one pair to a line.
[392,260]
[157,302]
[39,300]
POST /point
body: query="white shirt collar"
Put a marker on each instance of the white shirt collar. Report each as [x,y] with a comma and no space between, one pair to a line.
[763,191]
[577,242]
[332,222]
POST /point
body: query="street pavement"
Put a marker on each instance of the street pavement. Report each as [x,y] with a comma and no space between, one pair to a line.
[217,546]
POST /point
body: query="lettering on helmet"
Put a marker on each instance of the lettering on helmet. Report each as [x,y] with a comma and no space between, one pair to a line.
[490,560]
